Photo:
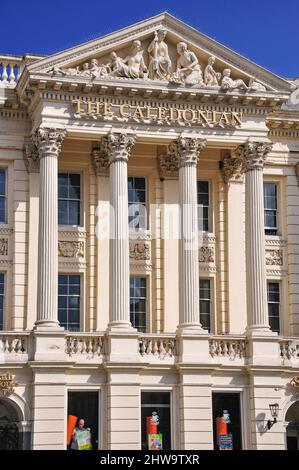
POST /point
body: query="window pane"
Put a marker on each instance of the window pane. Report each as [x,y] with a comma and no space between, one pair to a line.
[69,303]
[2,182]
[274,324]
[158,402]
[69,194]
[138,302]
[205,321]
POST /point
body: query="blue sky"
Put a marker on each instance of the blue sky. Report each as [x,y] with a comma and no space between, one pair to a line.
[264,31]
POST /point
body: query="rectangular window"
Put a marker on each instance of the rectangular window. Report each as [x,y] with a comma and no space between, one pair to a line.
[227,421]
[1,301]
[203,209]
[2,196]
[270,208]
[137,203]
[273,296]
[85,405]
[138,302]
[69,293]
[69,198]
[155,420]
[205,303]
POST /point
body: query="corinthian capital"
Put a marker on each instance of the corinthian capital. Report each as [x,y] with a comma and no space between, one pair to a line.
[253,153]
[118,146]
[187,149]
[232,168]
[48,140]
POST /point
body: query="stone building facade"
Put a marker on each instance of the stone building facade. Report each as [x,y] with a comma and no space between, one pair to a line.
[149,244]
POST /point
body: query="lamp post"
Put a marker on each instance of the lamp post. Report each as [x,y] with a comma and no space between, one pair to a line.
[274,413]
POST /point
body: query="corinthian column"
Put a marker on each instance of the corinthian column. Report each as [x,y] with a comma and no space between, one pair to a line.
[254,155]
[48,143]
[187,150]
[118,147]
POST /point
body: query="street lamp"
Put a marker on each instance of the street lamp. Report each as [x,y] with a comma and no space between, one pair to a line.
[274,413]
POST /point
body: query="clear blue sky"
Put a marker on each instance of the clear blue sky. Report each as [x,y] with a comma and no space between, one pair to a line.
[265,31]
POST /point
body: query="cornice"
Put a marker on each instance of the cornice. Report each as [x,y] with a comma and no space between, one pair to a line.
[43,86]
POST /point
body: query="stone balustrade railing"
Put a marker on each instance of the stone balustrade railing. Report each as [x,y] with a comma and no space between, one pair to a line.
[232,347]
[289,348]
[13,343]
[11,67]
[161,346]
[84,344]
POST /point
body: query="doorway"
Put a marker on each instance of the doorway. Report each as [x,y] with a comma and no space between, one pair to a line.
[85,405]
[292,431]
[228,404]
[9,431]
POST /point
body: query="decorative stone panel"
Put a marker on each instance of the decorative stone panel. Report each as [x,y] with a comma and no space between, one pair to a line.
[71,249]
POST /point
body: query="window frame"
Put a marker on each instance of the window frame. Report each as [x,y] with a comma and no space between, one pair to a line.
[146,301]
[4,301]
[81,297]
[274,230]
[81,205]
[146,191]
[210,222]
[5,222]
[273,281]
[211,300]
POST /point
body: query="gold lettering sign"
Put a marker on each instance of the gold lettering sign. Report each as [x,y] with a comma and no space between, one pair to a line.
[193,115]
[7,384]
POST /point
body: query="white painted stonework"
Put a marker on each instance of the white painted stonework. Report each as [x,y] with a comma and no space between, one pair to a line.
[158,100]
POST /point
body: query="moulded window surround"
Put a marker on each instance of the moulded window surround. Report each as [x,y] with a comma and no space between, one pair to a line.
[70,199]
[3,195]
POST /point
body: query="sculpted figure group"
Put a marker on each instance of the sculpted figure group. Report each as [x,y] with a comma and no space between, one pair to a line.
[188,70]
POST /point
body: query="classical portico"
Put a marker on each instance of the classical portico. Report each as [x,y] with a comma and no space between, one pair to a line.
[149,253]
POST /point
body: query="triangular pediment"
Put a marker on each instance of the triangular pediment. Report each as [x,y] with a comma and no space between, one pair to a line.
[133,54]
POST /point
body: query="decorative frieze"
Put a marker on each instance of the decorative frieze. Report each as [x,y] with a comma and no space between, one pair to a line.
[71,249]
[206,254]
[31,155]
[7,384]
[3,246]
[274,258]
[140,251]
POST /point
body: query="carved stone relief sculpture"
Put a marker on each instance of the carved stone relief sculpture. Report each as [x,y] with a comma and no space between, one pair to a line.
[188,70]
[132,66]
[160,63]
[228,84]
[211,77]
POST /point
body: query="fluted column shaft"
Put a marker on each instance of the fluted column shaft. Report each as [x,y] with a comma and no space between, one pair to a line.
[254,155]
[188,149]
[118,147]
[48,142]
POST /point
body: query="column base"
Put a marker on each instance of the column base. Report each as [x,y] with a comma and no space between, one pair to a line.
[191,329]
[257,331]
[46,325]
[120,327]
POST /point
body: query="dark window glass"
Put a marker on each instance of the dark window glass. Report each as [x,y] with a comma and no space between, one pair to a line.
[69,300]
[205,304]
[137,202]
[2,196]
[69,199]
[138,302]
[229,402]
[156,402]
[203,209]
[270,208]
[1,301]
[273,295]
[85,405]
